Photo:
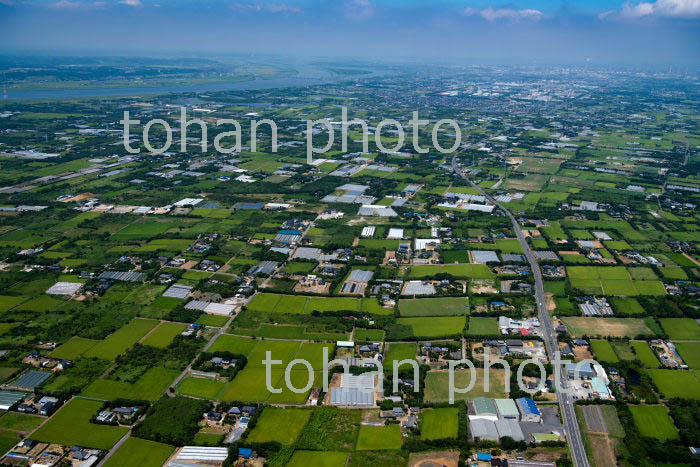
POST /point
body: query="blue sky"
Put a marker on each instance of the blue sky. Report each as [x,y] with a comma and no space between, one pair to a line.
[644,32]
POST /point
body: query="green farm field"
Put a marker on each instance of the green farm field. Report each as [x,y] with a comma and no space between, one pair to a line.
[279,425]
[440,423]
[690,353]
[398,352]
[434,307]
[479,326]
[604,351]
[441,326]
[117,343]
[71,425]
[206,388]
[150,386]
[653,421]
[163,335]
[645,354]
[681,328]
[675,383]
[459,271]
[379,438]
[437,384]
[318,459]
[137,452]
[73,348]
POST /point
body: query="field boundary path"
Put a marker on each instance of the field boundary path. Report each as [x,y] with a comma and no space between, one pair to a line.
[566,404]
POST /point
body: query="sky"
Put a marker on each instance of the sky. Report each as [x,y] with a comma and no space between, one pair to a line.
[657,32]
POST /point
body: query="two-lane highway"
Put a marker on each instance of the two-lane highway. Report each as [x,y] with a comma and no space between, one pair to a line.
[566,403]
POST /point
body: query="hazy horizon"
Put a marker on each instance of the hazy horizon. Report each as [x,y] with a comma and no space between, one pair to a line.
[662,32]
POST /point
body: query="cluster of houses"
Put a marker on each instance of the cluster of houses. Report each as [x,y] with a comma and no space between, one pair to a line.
[44,405]
[436,352]
[408,420]
[35,359]
[31,452]
[522,327]
[532,348]
[121,415]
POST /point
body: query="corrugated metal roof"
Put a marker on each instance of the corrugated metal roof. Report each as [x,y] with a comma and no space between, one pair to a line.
[31,379]
[507,408]
[528,406]
[196,305]
[201,453]
[365,381]
[178,291]
[10,398]
[484,406]
[510,428]
[483,429]
[351,397]
[360,275]
[485,256]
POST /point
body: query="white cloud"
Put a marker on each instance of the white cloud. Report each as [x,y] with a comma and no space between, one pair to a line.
[496,14]
[267,7]
[684,9]
[70,5]
[359,9]
[134,3]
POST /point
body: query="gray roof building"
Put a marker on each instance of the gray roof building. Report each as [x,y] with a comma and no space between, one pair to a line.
[483,429]
[509,428]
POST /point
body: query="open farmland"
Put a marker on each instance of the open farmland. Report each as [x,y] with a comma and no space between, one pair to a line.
[149,387]
[612,281]
[681,328]
[321,459]
[137,452]
[378,438]
[607,327]
[437,384]
[434,307]
[440,423]
[690,353]
[435,327]
[118,342]
[71,425]
[604,351]
[164,281]
[459,271]
[482,327]
[164,334]
[653,421]
[645,354]
[674,383]
[279,425]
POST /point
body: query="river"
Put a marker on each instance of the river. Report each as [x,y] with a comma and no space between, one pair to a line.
[308,76]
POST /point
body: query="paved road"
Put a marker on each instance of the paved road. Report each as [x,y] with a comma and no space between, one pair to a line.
[566,403]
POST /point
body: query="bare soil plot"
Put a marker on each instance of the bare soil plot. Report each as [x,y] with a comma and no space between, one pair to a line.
[425,459]
[593,415]
[609,327]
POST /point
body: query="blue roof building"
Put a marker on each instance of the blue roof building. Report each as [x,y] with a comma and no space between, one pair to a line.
[528,410]
[246,453]
[483,457]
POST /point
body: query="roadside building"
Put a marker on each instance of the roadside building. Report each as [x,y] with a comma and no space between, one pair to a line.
[528,410]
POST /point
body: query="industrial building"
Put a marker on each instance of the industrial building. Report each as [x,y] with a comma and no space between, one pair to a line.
[510,429]
[507,410]
[484,408]
[528,410]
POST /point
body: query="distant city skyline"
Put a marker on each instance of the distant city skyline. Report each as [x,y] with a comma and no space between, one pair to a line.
[654,32]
